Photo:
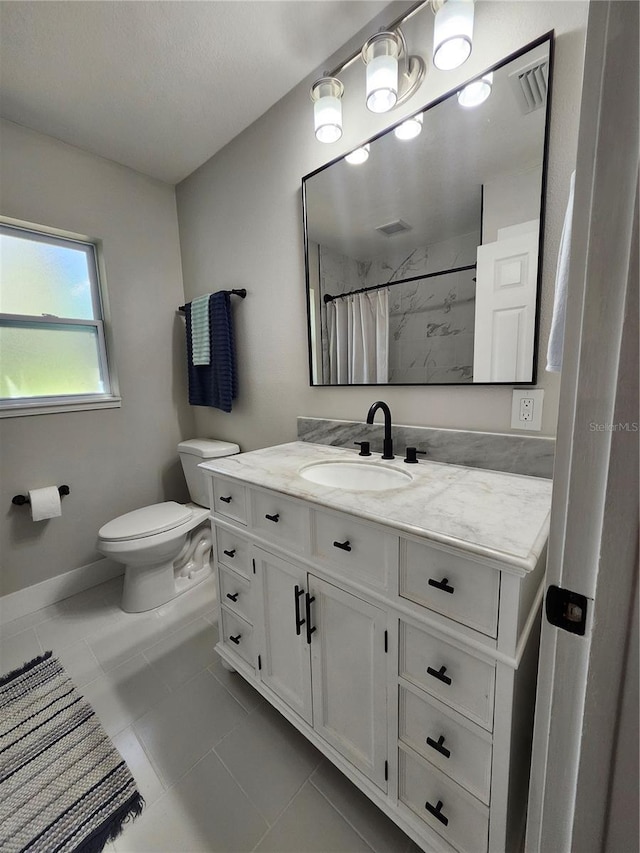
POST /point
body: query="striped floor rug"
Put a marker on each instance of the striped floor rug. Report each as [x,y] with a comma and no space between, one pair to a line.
[63,785]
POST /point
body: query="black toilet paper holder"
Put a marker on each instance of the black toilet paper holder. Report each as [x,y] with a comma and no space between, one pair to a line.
[21,500]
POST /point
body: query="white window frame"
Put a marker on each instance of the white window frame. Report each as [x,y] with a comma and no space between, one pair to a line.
[110,398]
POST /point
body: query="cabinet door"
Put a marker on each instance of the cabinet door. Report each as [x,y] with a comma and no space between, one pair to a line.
[285,657]
[350,677]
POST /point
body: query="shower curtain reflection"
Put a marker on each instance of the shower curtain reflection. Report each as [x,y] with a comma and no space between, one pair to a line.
[359,338]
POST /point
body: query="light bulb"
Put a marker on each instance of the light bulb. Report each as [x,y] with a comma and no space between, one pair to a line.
[360,155]
[477,92]
[380,54]
[453,34]
[326,95]
[410,128]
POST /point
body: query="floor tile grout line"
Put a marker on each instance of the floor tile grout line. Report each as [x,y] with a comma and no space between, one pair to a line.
[343,816]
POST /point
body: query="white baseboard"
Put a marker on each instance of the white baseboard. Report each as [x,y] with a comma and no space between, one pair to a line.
[32,598]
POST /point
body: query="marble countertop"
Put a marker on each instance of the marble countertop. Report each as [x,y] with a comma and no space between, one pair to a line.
[490,513]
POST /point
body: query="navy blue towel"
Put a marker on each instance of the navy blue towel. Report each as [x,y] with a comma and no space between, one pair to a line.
[214,384]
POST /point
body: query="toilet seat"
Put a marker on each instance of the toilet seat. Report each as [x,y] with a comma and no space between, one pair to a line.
[148,521]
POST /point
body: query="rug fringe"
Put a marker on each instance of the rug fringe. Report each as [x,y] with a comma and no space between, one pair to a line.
[113,827]
[10,676]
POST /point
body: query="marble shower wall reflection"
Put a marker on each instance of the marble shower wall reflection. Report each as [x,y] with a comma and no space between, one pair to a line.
[431,321]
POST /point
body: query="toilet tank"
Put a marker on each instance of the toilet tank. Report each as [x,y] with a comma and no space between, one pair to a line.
[192,453]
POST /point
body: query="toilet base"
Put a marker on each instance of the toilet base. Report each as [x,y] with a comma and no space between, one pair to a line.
[146,588]
[149,586]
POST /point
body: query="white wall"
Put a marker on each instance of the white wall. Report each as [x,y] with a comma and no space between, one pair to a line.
[241,226]
[115,459]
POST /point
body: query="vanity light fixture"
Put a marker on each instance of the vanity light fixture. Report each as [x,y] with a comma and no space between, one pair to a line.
[386,85]
[452,33]
[392,77]
[476,92]
[326,94]
[360,155]
[410,128]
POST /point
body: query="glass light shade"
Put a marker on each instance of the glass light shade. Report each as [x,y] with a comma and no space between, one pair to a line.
[381,57]
[453,34]
[410,128]
[327,109]
[360,155]
[477,92]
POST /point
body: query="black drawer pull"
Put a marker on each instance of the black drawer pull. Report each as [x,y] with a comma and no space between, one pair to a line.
[236,640]
[275,517]
[226,500]
[308,601]
[345,546]
[443,585]
[436,811]
[231,553]
[439,674]
[233,597]
[297,592]
[437,745]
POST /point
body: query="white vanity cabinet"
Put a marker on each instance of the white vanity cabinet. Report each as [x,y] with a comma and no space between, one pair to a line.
[408,661]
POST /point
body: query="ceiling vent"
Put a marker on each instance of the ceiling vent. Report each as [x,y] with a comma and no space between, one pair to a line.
[398,226]
[530,85]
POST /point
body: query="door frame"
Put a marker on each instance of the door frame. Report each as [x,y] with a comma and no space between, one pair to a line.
[593,541]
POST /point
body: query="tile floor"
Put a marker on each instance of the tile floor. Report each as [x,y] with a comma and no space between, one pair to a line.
[219,769]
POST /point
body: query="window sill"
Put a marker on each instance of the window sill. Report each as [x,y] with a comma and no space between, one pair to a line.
[50,408]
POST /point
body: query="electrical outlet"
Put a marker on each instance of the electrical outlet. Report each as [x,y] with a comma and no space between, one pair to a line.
[526,408]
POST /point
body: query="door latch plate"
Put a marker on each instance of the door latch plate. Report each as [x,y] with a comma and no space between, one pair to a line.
[566,609]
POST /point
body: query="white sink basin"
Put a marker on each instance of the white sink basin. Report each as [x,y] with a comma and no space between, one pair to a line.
[357,476]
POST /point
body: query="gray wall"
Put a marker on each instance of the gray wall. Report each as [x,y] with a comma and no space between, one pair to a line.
[241,226]
[114,460]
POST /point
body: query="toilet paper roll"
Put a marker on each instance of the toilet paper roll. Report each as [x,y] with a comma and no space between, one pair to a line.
[45,503]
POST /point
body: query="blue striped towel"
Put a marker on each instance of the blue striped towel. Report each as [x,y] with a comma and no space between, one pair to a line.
[200,333]
[214,384]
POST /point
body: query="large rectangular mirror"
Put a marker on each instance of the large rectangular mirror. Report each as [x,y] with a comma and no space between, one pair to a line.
[423,261]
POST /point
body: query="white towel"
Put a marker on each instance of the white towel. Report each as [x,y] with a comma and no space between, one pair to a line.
[556,338]
[200,331]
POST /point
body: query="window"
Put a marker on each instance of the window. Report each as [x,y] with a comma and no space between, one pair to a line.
[53,355]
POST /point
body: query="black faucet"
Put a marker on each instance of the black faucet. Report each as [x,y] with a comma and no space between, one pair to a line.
[387,444]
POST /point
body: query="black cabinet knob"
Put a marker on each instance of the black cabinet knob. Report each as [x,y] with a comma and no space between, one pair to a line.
[439,674]
[236,640]
[344,546]
[226,500]
[275,518]
[443,585]
[230,553]
[438,746]
[436,811]
[233,597]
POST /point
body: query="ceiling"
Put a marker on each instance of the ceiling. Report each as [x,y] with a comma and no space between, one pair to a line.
[162,86]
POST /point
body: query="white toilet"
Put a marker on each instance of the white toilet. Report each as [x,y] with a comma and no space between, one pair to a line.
[166,547]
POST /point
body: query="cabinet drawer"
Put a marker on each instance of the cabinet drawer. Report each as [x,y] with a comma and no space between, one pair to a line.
[457,678]
[229,499]
[461,819]
[463,590]
[237,634]
[233,551]
[235,593]
[456,746]
[361,551]
[280,520]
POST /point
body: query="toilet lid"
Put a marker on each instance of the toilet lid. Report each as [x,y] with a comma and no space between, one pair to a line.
[146,521]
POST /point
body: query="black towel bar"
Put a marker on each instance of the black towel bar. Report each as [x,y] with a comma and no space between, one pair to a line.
[21,500]
[241,292]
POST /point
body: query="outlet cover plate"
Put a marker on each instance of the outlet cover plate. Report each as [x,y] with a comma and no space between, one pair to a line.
[532,406]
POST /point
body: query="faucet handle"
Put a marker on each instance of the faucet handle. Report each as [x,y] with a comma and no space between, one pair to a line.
[411,454]
[364,448]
